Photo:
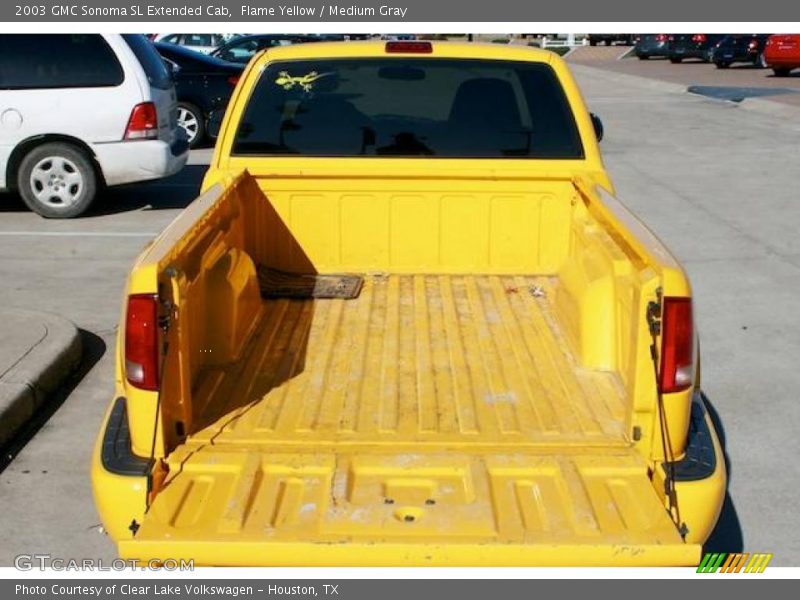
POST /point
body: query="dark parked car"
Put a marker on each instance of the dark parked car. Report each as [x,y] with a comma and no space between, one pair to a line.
[204,84]
[610,38]
[741,48]
[242,49]
[693,45]
[651,44]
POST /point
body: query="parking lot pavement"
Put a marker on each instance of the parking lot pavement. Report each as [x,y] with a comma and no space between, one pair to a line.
[74,268]
[588,55]
[717,183]
[692,73]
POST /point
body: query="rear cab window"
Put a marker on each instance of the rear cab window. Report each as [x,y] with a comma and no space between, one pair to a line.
[154,68]
[451,108]
[29,61]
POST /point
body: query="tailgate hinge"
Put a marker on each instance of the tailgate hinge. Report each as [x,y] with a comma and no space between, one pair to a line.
[654,314]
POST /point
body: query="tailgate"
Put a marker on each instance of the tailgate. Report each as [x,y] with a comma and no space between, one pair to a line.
[228,507]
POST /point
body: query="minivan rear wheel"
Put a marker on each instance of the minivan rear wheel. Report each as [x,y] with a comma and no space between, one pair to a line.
[57,181]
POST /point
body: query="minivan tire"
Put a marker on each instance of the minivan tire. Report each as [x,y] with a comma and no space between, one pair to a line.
[194,113]
[57,181]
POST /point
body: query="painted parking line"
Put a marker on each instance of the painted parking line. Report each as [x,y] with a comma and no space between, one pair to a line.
[81,233]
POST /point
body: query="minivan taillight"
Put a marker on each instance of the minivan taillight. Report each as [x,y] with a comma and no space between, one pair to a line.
[677,345]
[141,341]
[661,37]
[699,37]
[143,123]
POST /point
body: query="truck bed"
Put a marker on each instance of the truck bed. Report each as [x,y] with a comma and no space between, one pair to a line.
[433,415]
[418,361]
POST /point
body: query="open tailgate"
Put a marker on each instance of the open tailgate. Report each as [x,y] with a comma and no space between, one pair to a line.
[224,506]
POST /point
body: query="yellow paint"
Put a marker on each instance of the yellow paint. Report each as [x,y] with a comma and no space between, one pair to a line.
[473,406]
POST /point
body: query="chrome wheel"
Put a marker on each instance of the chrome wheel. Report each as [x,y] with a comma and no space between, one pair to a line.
[56,181]
[189,122]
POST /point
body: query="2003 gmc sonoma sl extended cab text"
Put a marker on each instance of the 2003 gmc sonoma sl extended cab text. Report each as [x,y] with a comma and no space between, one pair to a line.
[408,323]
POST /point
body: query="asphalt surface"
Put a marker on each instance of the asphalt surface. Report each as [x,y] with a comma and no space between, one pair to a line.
[737,79]
[715,182]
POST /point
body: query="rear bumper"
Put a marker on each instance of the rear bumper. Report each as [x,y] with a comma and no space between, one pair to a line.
[700,477]
[688,53]
[119,478]
[654,50]
[735,56]
[140,160]
[787,62]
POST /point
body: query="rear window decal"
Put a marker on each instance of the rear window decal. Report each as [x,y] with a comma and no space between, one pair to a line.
[306,81]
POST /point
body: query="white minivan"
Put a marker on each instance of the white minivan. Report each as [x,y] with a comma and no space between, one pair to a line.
[83,111]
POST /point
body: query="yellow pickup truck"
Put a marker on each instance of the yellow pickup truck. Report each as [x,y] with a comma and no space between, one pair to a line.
[407,322]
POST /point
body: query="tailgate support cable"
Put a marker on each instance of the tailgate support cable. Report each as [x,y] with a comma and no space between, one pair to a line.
[164,321]
[654,324]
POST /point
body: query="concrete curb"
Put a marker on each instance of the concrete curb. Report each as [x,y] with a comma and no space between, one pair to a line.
[39,352]
[758,105]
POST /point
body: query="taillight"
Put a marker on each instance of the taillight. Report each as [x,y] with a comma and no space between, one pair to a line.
[699,37]
[409,47]
[661,37]
[141,341]
[753,44]
[233,80]
[677,345]
[143,123]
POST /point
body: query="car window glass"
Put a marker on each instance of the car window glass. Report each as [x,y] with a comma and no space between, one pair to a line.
[243,49]
[151,62]
[198,39]
[417,107]
[30,61]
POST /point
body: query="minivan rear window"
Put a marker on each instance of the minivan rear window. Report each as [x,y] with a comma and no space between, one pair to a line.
[146,53]
[74,60]
[405,107]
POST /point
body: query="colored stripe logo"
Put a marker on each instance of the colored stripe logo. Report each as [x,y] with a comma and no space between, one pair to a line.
[715,562]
